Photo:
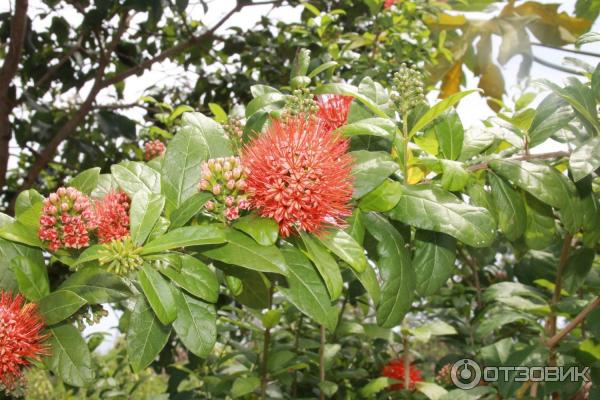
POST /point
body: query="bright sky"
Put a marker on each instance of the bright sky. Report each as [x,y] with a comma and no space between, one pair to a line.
[472,109]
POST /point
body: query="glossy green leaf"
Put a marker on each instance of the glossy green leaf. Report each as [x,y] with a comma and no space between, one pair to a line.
[158,293]
[346,248]
[199,139]
[368,280]
[264,231]
[585,159]
[581,98]
[397,273]
[15,231]
[432,208]
[9,251]
[509,206]
[97,286]
[196,324]
[70,358]
[383,198]
[370,169]
[59,305]
[28,209]
[438,110]
[256,288]
[188,209]
[325,263]
[307,291]
[244,386]
[541,229]
[454,176]
[433,260]
[244,251]
[145,211]
[542,181]
[450,134]
[134,177]
[381,127]
[86,181]
[551,115]
[146,336]
[577,269]
[194,276]
[184,237]
[32,277]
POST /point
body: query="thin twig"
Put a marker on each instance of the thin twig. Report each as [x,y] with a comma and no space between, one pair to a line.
[475,270]
[554,340]
[578,52]
[557,67]
[525,157]
[322,362]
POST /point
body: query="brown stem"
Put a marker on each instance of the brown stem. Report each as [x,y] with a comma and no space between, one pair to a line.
[554,340]
[578,52]
[264,373]
[475,270]
[18,28]
[556,66]
[322,362]
[406,361]
[296,349]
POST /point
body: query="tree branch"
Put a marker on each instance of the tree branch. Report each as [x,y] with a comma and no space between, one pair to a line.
[578,52]
[525,157]
[554,340]
[557,67]
[18,28]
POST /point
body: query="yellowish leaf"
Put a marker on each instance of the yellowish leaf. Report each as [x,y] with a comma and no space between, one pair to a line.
[451,81]
[492,84]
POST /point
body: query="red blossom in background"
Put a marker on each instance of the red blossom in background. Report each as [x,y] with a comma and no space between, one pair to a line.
[20,337]
[333,110]
[299,175]
[395,370]
[154,148]
[112,212]
[66,220]
[388,4]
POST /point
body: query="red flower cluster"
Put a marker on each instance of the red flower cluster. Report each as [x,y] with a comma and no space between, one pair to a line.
[20,337]
[299,175]
[395,370]
[388,4]
[154,148]
[67,218]
[333,110]
[112,214]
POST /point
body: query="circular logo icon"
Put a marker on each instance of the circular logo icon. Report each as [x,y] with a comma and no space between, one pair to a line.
[465,374]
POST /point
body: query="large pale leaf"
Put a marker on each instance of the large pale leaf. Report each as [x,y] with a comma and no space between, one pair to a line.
[432,208]
[144,213]
[133,177]
[70,357]
[585,159]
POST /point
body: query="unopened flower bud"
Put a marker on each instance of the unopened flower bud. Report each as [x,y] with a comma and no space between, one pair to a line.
[216,189]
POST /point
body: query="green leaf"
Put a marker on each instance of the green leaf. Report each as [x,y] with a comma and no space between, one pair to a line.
[581,98]
[433,261]
[59,305]
[220,114]
[196,324]
[509,206]
[433,391]
[497,320]
[264,231]
[134,177]
[432,208]
[9,251]
[92,253]
[183,237]
[106,184]
[370,169]
[383,198]
[146,336]
[577,268]
[17,232]
[368,280]
[541,229]
[32,277]
[450,134]
[145,211]
[158,293]
[97,286]
[542,181]
[28,209]
[381,127]
[376,385]
[194,276]
[265,103]
[86,181]
[346,248]
[300,63]
[424,333]
[325,263]
[70,358]
[199,139]
[350,90]
[454,177]
[437,110]
[256,287]
[585,159]
[243,251]
[243,386]
[551,115]
[323,67]
[397,273]
[188,209]
[307,291]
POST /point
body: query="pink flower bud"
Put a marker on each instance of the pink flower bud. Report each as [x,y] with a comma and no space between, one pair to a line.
[216,189]
[209,206]
[64,207]
[204,184]
[228,175]
[237,172]
[229,201]
[218,167]
[230,184]
[227,166]
[241,184]
[243,204]
[232,213]
[54,198]
[61,191]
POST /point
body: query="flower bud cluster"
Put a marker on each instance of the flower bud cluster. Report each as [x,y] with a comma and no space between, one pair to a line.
[301,102]
[67,219]
[120,256]
[154,148]
[89,315]
[408,86]
[235,131]
[443,376]
[112,212]
[225,178]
